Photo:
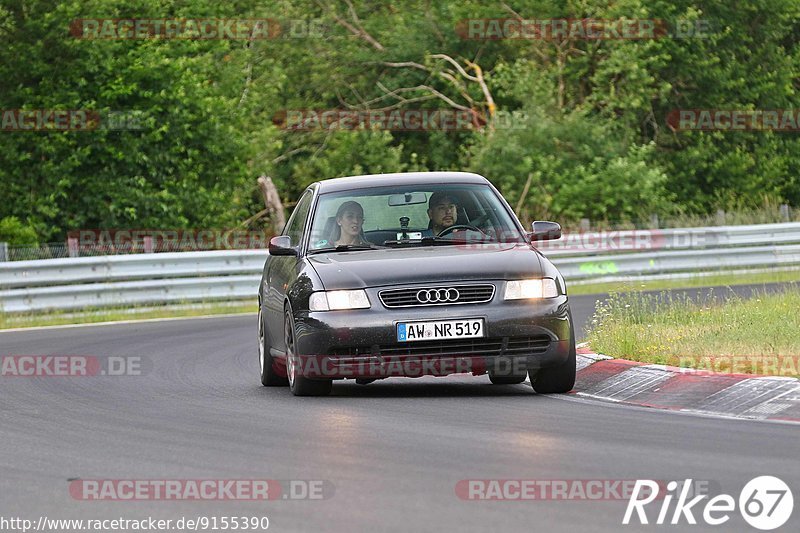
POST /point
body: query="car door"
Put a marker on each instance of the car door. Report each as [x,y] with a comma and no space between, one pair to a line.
[281,271]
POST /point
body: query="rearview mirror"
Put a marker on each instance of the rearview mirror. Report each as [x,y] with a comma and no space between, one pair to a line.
[409,198]
[282,245]
[544,230]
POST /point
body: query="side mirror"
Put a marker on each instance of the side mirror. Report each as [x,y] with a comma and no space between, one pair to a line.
[282,245]
[544,230]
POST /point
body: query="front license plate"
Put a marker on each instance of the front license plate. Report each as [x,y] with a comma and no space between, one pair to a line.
[442,329]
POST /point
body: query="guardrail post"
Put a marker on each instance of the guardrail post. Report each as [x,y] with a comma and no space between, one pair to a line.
[654,221]
[785,214]
[585,224]
[4,252]
[720,217]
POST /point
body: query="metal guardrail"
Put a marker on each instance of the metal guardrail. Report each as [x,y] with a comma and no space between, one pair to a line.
[111,268]
[642,240]
[130,293]
[677,261]
[126,280]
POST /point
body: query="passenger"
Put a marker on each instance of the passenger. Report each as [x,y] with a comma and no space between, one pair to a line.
[443,212]
[349,225]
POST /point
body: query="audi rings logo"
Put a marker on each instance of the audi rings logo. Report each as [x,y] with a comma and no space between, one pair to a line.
[437,296]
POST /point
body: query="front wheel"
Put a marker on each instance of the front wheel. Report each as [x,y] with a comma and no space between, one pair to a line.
[299,384]
[557,379]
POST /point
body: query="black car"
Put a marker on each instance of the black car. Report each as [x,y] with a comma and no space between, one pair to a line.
[407,275]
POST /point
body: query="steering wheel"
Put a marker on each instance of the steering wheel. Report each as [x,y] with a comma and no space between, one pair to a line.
[456,227]
[480,220]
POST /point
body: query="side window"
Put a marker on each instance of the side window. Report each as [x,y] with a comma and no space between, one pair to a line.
[294,228]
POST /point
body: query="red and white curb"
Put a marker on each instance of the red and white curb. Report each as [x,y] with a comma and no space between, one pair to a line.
[688,390]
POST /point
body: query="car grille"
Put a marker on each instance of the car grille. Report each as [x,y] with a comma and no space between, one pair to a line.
[463,347]
[466,294]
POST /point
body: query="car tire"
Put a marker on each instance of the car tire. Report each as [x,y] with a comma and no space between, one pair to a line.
[557,379]
[269,376]
[298,384]
[506,380]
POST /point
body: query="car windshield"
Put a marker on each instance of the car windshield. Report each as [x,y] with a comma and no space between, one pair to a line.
[419,215]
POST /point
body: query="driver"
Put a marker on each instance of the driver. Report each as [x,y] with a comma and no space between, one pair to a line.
[443,212]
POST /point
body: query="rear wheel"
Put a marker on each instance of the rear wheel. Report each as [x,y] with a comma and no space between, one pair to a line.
[298,384]
[269,377]
[556,379]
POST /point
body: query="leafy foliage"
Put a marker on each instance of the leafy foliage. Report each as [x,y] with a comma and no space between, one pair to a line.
[14,232]
[590,137]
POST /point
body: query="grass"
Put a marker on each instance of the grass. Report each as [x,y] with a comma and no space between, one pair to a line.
[757,335]
[89,316]
[713,280]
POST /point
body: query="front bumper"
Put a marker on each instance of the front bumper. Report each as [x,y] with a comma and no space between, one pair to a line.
[519,336]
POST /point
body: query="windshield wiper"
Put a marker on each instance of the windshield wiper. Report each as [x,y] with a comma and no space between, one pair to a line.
[436,241]
[424,241]
[345,248]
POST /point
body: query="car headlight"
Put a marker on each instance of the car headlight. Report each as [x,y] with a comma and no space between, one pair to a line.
[531,288]
[338,300]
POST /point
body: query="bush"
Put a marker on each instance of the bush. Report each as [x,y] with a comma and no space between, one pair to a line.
[16,233]
[579,168]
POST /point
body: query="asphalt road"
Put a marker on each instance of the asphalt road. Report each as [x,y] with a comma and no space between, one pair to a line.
[393,451]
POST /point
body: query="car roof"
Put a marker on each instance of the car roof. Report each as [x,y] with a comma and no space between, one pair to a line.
[398,178]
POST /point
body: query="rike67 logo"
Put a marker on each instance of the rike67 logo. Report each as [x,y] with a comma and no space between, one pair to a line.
[765,502]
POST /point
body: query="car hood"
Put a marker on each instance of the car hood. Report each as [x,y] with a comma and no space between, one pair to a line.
[425,264]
